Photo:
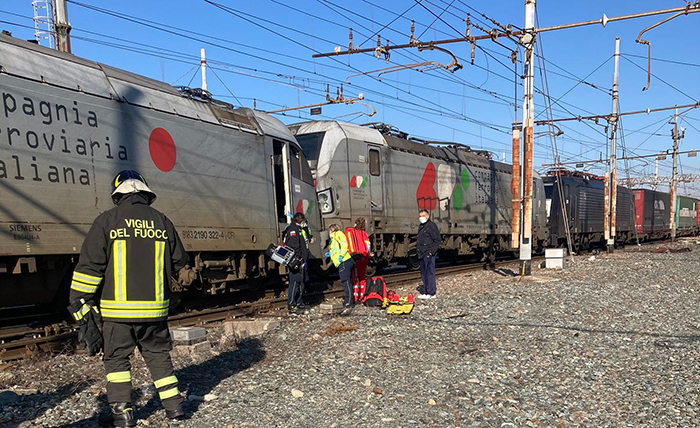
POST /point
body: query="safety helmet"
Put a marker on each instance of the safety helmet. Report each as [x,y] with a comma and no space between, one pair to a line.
[130,181]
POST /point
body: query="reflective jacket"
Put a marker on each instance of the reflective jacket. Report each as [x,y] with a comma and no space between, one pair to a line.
[339,248]
[127,257]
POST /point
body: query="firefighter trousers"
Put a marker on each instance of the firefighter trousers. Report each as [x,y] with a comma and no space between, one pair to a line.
[153,341]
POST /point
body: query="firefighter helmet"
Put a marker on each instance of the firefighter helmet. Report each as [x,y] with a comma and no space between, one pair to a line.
[129,181]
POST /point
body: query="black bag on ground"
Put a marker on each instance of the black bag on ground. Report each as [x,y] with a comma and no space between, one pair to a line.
[375,292]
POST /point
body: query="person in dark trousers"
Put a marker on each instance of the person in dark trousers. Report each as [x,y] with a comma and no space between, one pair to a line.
[126,260]
[294,238]
[306,233]
[339,255]
[427,244]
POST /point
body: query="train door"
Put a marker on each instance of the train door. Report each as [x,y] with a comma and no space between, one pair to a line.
[376,179]
[281,180]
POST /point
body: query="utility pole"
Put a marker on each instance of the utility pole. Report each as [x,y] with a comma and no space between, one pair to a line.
[203,63]
[656,170]
[515,188]
[528,42]
[61,26]
[674,176]
[611,189]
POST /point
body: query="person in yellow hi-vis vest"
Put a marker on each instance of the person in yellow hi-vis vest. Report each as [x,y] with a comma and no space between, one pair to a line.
[359,247]
[126,260]
[342,260]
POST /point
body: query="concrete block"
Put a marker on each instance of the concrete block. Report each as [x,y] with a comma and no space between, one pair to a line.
[330,308]
[199,349]
[555,263]
[553,253]
[555,258]
[188,335]
[248,328]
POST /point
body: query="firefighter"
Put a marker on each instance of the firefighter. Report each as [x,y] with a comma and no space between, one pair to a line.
[295,239]
[126,262]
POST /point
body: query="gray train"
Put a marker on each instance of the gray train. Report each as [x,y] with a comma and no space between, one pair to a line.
[380,174]
[226,177]
[383,175]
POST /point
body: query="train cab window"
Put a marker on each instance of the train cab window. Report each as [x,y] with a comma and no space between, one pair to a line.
[306,175]
[311,144]
[295,162]
[300,166]
[374,165]
[549,191]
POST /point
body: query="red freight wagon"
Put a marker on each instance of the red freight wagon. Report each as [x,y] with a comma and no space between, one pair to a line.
[652,213]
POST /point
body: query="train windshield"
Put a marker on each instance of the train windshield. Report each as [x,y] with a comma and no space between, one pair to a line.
[549,193]
[311,146]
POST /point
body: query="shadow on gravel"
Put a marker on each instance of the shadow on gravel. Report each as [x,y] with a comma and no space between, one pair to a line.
[33,406]
[197,379]
[201,379]
[505,272]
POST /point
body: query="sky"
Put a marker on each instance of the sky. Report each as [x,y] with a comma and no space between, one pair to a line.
[260,53]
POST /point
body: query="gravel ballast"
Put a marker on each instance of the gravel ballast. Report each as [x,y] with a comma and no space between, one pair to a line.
[609,341]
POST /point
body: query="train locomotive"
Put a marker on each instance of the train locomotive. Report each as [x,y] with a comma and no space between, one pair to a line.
[227,178]
[583,197]
[383,175]
[230,178]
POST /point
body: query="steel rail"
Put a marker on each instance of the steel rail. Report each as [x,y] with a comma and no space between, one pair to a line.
[59,336]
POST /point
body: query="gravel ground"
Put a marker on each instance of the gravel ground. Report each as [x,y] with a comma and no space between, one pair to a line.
[610,341]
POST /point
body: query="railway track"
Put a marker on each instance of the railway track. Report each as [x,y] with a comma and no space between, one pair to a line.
[23,341]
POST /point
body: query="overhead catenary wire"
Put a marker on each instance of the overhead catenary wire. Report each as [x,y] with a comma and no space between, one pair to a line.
[232,11]
[444,114]
[135,20]
[553,141]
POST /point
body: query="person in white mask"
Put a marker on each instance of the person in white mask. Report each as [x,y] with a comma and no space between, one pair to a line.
[427,245]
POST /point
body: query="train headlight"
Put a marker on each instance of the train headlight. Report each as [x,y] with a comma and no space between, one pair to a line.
[325,201]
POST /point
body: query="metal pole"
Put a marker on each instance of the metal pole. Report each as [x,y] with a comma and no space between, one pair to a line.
[203,63]
[528,41]
[656,170]
[674,177]
[613,152]
[61,27]
[515,189]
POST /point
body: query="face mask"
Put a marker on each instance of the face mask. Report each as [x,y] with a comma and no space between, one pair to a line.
[423,219]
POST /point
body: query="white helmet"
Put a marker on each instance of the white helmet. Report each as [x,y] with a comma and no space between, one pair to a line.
[129,181]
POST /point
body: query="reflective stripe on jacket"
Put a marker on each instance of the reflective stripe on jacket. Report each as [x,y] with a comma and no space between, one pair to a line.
[128,257]
[339,248]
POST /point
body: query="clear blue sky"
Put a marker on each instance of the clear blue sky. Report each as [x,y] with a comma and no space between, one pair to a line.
[262,50]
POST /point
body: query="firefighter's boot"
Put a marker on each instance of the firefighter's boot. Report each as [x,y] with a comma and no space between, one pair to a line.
[177,414]
[119,415]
